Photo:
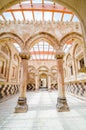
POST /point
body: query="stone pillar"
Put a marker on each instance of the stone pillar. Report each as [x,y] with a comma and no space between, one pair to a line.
[10,71]
[49,82]
[22,101]
[74,68]
[18,69]
[36,82]
[62,105]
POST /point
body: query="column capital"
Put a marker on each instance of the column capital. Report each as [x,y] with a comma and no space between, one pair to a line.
[25,55]
[59,55]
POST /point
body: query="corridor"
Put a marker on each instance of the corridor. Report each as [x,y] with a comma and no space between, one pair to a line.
[42,113]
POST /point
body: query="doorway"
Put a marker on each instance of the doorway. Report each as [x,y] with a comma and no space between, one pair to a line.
[43,82]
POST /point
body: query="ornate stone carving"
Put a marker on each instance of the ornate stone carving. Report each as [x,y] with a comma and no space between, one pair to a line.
[21,105]
[59,55]
[62,105]
[25,55]
[64,28]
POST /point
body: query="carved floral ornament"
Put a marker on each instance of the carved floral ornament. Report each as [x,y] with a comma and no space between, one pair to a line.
[25,55]
[59,54]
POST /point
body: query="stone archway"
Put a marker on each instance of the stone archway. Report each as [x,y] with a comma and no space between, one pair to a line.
[14,37]
[72,36]
[42,35]
[73,5]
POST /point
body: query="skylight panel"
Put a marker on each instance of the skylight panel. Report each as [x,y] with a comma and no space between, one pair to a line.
[41,56]
[49,56]
[40,43]
[75,19]
[48,2]
[37,1]
[1,18]
[67,17]
[8,16]
[25,2]
[35,48]
[28,15]
[46,48]
[47,16]
[38,56]
[53,57]
[45,56]
[33,57]
[57,16]
[18,15]
[46,44]
[50,49]
[40,48]
[38,16]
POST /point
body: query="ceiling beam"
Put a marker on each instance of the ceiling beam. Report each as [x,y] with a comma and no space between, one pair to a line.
[33,15]
[43,16]
[32,10]
[52,16]
[43,60]
[31,3]
[62,17]
[42,52]
[72,17]
[42,3]
[38,7]
[3,17]
[22,11]
[13,16]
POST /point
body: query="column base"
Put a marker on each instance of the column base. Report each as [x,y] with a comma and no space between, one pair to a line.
[21,105]
[62,105]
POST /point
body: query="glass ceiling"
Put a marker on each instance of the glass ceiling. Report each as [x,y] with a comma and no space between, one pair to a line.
[38,10]
[42,51]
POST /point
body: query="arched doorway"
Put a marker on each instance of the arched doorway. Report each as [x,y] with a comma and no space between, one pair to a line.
[43,81]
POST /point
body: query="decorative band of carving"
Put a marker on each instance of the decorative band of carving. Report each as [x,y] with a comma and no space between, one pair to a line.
[25,55]
[59,55]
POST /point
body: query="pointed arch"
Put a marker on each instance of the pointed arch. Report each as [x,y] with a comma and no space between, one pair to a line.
[42,35]
[69,36]
[13,36]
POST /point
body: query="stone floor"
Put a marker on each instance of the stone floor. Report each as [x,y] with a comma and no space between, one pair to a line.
[42,113]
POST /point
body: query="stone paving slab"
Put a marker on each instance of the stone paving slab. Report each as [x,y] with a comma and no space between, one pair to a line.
[42,113]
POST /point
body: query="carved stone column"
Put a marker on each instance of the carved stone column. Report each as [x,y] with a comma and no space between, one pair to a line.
[22,101]
[74,68]
[37,82]
[49,82]
[62,105]
[10,71]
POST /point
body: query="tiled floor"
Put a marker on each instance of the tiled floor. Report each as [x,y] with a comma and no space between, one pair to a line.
[42,113]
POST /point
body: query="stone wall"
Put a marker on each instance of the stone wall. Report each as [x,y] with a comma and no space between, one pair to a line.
[28,29]
[76,88]
[7,90]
